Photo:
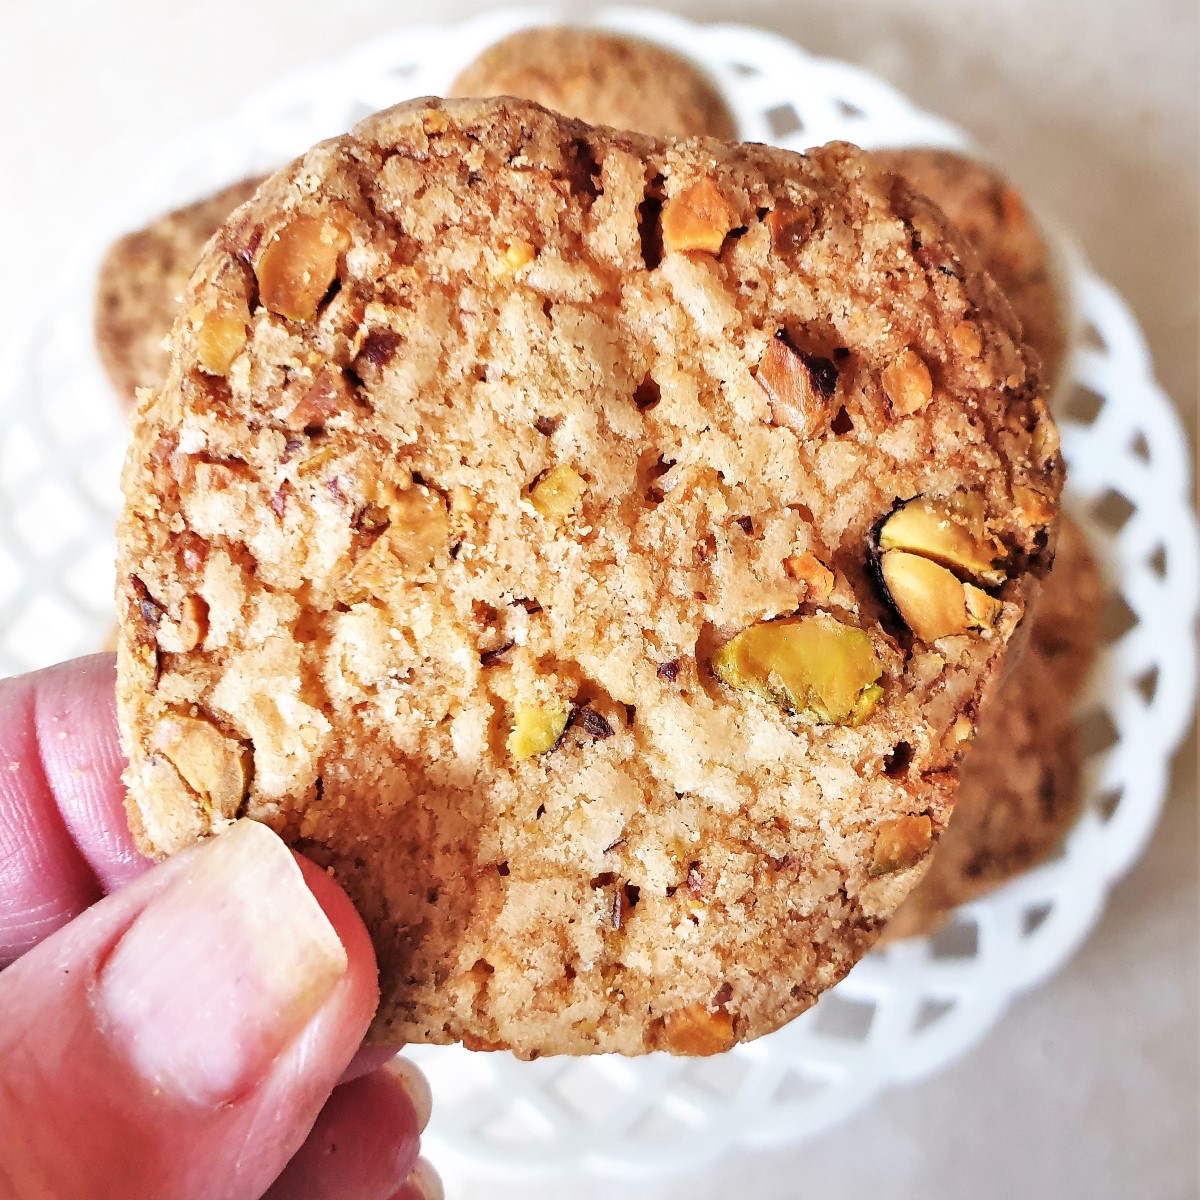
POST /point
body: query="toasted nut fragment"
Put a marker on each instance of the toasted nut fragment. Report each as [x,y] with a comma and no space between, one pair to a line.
[933,601]
[1036,508]
[298,264]
[193,623]
[812,664]
[220,333]
[967,340]
[789,226]
[215,767]
[698,1030]
[797,385]
[558,493]
[418,528]
[1046,441]
[536,729]
[330,393]
[908,384]
[517,254]
[809,569]
[949,533]
[983,610]
[481,1045]
[697,219]
[901,843]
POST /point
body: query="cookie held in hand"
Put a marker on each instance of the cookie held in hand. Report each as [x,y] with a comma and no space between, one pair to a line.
[507,535]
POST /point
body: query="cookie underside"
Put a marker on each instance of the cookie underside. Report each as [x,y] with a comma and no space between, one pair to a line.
[430,578]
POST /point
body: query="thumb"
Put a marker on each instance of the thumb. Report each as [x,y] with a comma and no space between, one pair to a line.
[179,1038]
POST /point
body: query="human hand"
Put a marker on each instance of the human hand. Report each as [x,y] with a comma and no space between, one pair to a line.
[183,1037]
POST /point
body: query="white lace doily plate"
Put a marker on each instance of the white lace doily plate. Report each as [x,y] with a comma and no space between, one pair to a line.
[903,1012]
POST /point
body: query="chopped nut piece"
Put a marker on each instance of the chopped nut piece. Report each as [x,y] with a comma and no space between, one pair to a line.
[330,393]
[932,600]
[517,254]
[481,1045]
[536,729]
[593,723]
[298,264]
[797,385]
[901,843]
[947,533]
[418,528]
[193,623]
[808,568]
[984,610]
[558,493]
[967,340]
[811,664]
[220,333]
[698,1030]
[215,767]
[790,226]
[1035,507]
[697,219]
[908,384]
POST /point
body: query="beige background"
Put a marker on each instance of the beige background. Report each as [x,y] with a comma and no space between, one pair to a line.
[1089,1087]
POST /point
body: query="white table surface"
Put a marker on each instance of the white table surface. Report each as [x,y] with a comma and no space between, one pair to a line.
[1089,1087]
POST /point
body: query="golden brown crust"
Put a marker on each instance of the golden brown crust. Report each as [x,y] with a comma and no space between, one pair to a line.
[428,570]
[140,282]
[603,79]
[1020,782]
[993,215]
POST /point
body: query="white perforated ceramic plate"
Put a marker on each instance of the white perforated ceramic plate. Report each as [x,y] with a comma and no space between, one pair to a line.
[903,1012]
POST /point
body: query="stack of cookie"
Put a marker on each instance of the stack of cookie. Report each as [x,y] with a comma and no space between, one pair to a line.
[600,550]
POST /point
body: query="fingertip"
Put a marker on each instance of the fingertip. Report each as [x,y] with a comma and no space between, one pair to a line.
[363,973]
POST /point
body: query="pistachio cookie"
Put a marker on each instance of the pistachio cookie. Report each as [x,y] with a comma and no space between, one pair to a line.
[602,78]
[1020,781]
[141,280]
[511,533]
[993,215]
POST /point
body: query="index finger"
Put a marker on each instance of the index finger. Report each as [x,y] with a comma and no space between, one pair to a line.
[64,838]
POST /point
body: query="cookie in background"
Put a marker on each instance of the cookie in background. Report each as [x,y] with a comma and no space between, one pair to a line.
[993,215]
[141,280]
[602,78]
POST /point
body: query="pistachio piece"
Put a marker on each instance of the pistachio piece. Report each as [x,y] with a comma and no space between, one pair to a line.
[908,384]
[298,264]
[215,767]
[558,493]
[697,219]
[808,569]
[536,729]
[951,535]
[811,664]
[933,601]
[698,1030]
[901,843]
[220,333]
[798,385]
[518,253]
[417,528]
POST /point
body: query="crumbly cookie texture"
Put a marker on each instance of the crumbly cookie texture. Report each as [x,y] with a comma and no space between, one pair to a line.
[492,447]
[141,280]
[1020,782]
[993,215]
[601,78]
